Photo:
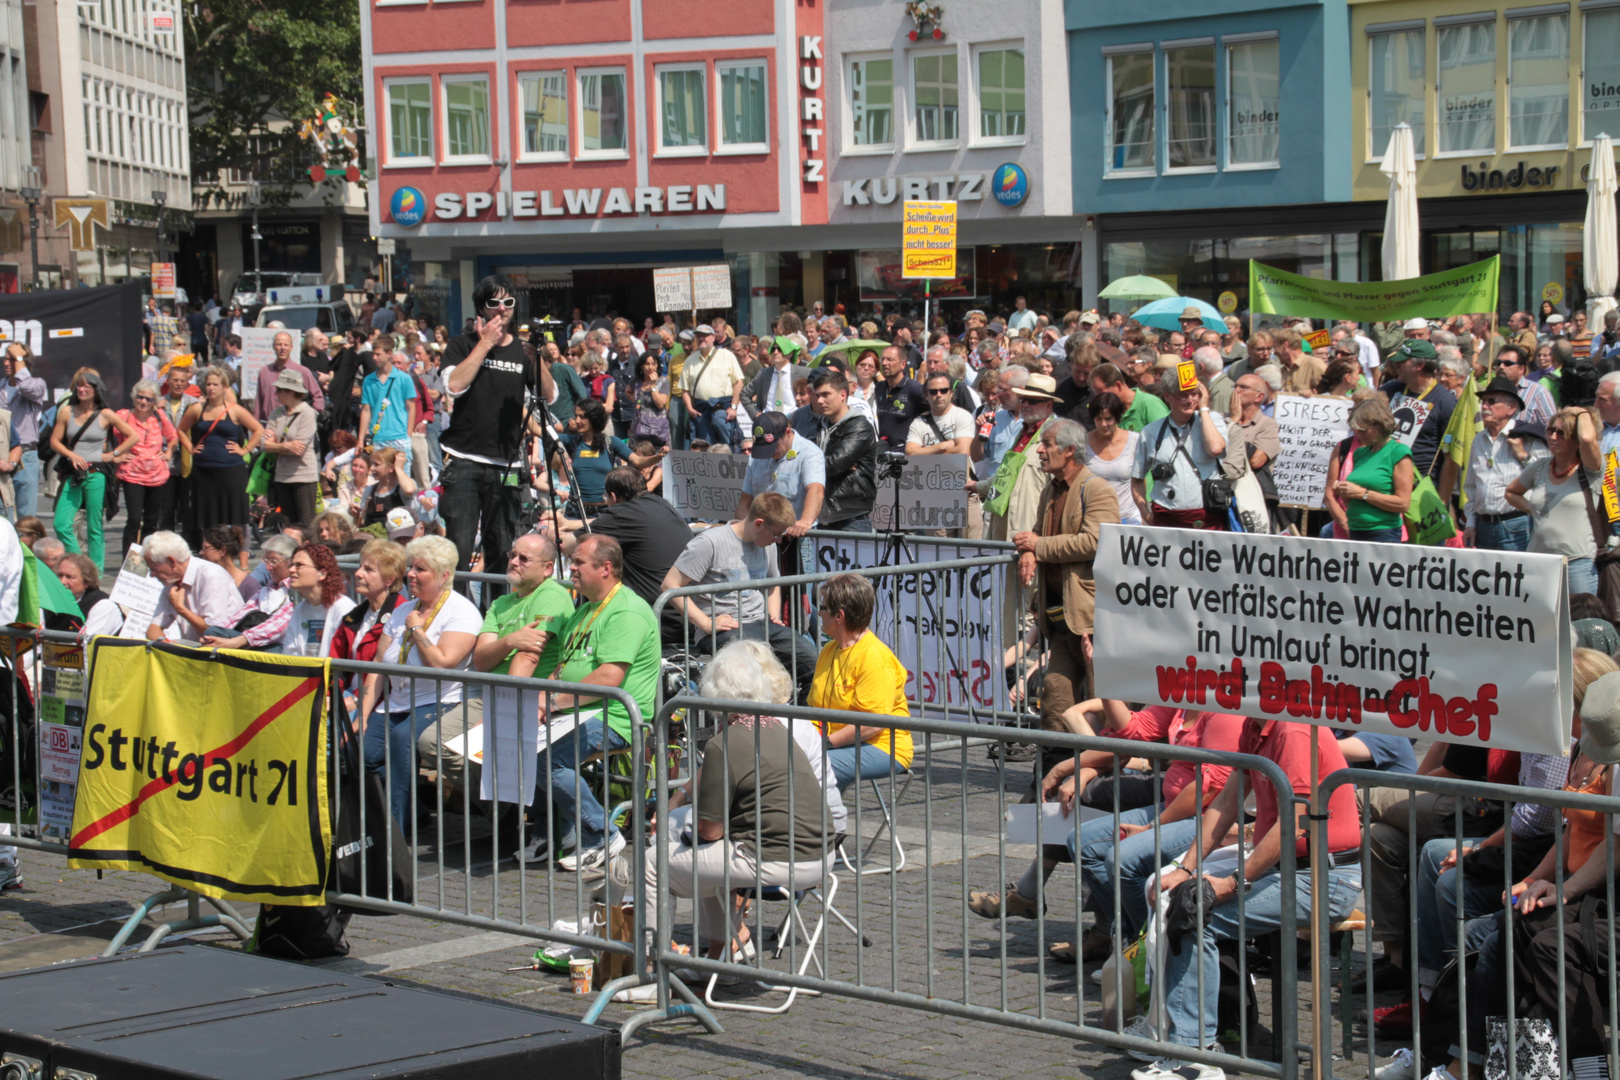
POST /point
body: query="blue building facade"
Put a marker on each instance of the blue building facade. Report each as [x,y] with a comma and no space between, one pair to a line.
[1208,132]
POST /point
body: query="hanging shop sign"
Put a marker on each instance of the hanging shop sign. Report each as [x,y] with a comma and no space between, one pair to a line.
[811,111]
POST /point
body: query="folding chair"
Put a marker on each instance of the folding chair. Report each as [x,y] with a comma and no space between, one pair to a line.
[793,918]
[897,850]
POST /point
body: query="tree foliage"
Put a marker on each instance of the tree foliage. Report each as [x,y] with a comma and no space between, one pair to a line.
[256,70]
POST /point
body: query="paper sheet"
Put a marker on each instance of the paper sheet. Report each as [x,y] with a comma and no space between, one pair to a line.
[1019,822]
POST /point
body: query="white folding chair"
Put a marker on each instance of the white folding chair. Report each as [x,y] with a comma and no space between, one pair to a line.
[793,919]
[897,850]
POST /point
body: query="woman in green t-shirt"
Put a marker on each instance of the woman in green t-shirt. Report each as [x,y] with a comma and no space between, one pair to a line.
[1370,501]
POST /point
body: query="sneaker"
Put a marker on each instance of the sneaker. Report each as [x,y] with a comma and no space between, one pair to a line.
[1440,1072]
[1403,1066]
[537,852]
[1016,752]
[989,905]
[638,994]
[1141,1028]
[592,858]
[10,877]
[1175,1069]
[1394,1019]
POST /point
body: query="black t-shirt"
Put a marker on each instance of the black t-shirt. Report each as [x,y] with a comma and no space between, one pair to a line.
[652,535]
[318,362]
[896,408]
[1427,443]
[487,421]
[197,322]
[1074,398]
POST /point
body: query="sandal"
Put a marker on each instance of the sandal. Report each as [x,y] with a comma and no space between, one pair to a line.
[1063,952]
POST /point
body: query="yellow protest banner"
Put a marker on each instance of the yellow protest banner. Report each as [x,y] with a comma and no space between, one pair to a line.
[1611,486]
[928,245]
[206,768]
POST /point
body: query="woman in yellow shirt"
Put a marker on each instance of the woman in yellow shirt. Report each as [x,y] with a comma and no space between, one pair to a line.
[857,673]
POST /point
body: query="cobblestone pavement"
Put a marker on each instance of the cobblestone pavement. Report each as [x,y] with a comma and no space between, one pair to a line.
[63,914]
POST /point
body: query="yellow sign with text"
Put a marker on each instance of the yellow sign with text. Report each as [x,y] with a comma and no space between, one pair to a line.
[206,768]
[928,240]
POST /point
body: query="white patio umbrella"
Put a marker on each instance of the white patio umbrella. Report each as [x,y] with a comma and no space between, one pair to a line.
[1401,235]
[1600,247]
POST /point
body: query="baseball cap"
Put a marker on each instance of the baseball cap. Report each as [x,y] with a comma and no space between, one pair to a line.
[401,523]
[1416,324]
[1090,318]
[1417,349]
[769,430]
[705,329]
[685,335]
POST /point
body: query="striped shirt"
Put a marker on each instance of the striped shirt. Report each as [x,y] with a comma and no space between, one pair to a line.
[1538,403]
[1547,771]
[1492,468]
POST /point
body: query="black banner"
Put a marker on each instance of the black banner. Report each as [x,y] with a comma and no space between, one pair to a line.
[72,328]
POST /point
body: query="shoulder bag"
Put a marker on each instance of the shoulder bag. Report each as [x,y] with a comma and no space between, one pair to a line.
[1607,560]
[65,471]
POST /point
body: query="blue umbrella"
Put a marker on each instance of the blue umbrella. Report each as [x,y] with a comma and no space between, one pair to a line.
[1166,314]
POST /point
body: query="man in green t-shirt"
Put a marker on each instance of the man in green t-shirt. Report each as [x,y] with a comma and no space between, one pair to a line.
[612,641]
[524,621]
[1141,407]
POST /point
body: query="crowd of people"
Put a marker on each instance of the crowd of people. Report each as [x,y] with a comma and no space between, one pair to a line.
[508,449]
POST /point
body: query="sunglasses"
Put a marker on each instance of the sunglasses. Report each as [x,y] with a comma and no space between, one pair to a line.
[507,302]
[144,397]
[932,392]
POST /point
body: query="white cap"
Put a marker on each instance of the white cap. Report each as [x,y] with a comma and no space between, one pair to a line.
[401,523]
[1416,324]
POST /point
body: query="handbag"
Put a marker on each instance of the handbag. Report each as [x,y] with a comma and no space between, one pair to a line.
[361,859]
[1535,1049]
[260,473]
[302,933]
[1428,521]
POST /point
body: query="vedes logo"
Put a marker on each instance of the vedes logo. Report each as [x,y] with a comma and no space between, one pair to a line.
[408,206]
[1009,185]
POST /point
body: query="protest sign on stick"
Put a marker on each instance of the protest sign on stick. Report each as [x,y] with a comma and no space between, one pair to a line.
[704,487]
[1468,646]
[1309,429]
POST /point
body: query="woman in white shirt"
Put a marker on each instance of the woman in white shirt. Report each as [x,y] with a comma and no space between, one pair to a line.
[435,631]
[1111,453]
[318,584]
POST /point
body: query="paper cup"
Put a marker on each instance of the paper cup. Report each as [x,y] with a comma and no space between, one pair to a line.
[580,972]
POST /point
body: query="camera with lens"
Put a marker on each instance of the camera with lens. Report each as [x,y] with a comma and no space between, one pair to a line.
[1162,470]
[890,464]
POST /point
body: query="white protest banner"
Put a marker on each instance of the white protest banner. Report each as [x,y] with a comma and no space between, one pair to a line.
[1410,415]
[672,288]
[933,495]
[944,627]
[258,353]
[1468,646]
[704,487]
[514,718]
[1310,428]
[711,286]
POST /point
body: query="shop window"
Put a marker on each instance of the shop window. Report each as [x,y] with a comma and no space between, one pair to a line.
[871,102]
[410,121]
[934,95]
[1131,107]
[1465,89]
[1600,90]
[1191,135]
[683,110]
[545,114]
[602,114]
[466,118]
[743,106]
[1253,109]
[1396,87]
[1538,80]
[1001,95]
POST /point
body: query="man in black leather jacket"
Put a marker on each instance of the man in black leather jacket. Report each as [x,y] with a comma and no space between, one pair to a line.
[849,444]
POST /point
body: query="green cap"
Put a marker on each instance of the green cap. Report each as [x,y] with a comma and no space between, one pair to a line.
[1417,349]
[787,346]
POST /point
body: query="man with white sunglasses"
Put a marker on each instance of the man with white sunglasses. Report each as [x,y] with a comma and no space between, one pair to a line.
[489,376]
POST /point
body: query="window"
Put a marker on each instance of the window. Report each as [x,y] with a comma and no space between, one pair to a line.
[466,117]
[1600,92]
[410,121]
[683,110]
[602,114]
[1130,112]
[742,105]
[1252,75]
[1465,90]
[1191,120]
[871,102]
[1001,94]
[1396,87]
[545,113]
[934,97]
[1538,80]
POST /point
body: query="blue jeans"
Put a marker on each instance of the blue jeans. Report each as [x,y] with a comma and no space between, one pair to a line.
[1583,576]
[584,814]
[1510,535]
[862,761]
[862,524]
[403,446]
[1193,1020]
[711,425]
[1377,536]
[1101,857]
[391,745]
[26,483]
[1435,895]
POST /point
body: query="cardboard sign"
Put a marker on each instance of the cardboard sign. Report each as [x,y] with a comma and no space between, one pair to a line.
[1186,375]
[1471,647]
[1318,339]
[258,353]
[1310,429]
[1611,497]
[928,245]
[703,486]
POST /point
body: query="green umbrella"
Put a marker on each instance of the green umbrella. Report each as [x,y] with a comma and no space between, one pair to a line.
[857,346]
[1136,287]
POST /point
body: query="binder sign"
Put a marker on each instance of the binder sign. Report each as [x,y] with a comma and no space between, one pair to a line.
[928,248]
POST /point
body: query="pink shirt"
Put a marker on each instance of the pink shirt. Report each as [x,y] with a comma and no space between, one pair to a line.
[1289,745]
[1211,731]
[147,466]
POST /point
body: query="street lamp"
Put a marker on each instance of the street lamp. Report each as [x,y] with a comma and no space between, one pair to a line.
[30,194]
[161,198]
[254,198]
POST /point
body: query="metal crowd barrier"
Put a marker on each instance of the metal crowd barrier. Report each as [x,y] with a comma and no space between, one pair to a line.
[935,963]
[1484,925]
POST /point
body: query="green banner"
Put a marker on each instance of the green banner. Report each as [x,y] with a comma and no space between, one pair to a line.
[1467,290]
